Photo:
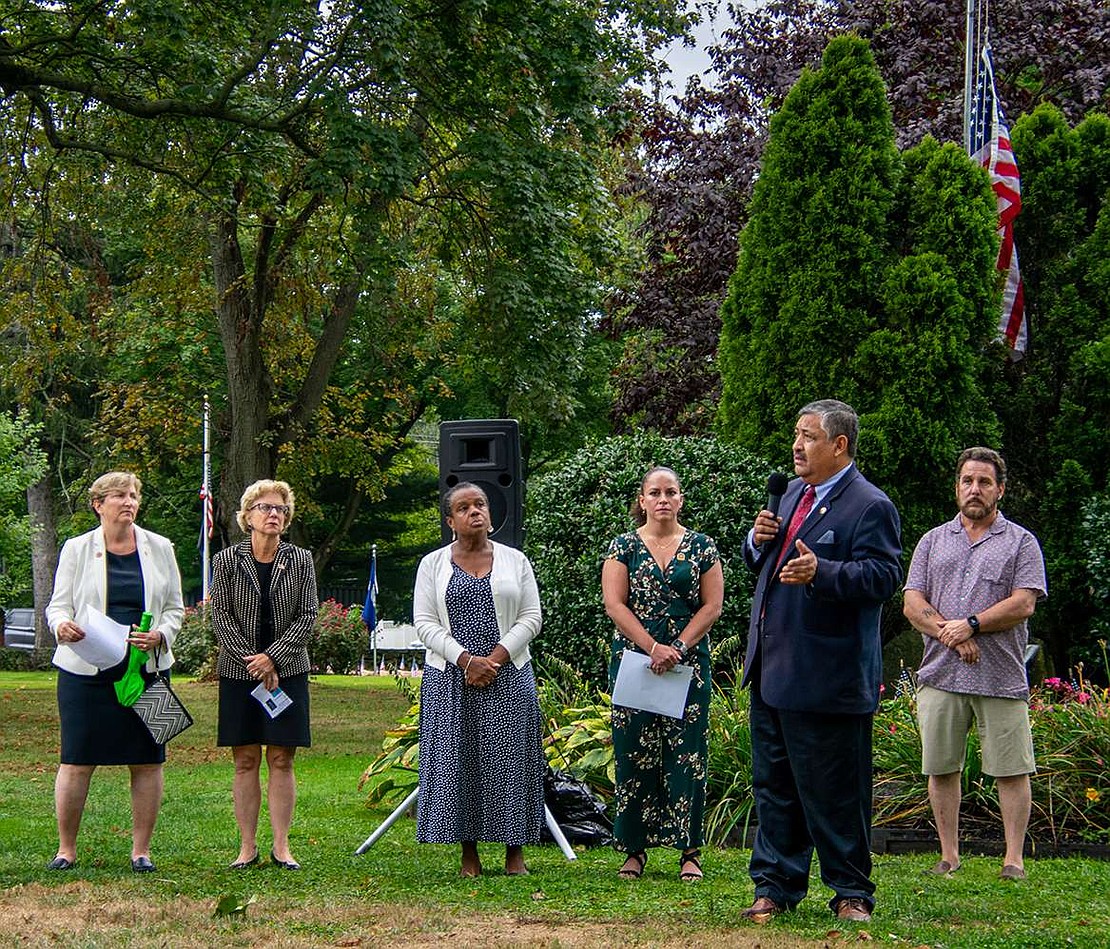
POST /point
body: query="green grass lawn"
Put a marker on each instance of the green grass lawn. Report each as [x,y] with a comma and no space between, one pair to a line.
[400,893]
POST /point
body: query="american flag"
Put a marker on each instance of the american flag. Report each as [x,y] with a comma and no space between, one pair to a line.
[989,144]
[208,519]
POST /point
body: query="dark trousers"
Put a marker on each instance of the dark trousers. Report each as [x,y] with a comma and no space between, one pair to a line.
[811,773]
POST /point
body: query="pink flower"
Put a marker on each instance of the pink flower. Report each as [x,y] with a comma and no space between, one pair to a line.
[893,728]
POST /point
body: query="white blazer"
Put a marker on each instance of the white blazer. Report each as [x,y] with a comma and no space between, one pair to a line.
[516,599]
[82,578]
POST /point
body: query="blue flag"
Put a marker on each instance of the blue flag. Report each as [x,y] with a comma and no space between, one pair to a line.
[370,609]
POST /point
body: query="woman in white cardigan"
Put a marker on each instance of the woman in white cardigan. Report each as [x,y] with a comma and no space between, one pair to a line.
[123,571]
[476,607]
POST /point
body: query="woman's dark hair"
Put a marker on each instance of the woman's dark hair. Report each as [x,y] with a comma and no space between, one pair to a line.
[449,494]
[639,518]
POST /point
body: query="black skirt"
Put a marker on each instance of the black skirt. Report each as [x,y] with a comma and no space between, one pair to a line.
[243,720]
[96,729]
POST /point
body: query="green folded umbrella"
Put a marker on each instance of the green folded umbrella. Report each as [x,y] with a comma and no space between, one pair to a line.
[131,686]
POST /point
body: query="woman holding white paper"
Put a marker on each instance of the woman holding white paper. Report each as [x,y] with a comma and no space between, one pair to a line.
[120,570]
[264,607]
[663,588]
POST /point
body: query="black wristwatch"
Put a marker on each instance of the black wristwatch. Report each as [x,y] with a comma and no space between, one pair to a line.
[681,647]
[973,622]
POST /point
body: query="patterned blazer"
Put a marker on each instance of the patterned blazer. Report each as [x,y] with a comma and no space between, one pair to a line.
[236,602]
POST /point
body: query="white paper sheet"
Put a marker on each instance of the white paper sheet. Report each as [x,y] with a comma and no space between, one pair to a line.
[105,642]
[274,702]
[638,687]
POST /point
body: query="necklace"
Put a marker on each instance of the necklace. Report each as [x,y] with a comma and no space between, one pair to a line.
[659,543]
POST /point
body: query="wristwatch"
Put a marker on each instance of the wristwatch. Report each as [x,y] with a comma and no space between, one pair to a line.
[973,622]
[681,647]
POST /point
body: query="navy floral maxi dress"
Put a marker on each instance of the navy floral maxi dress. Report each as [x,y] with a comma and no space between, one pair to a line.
[661,761]
[481,752]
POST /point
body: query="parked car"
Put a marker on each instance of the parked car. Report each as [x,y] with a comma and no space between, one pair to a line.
[19,628]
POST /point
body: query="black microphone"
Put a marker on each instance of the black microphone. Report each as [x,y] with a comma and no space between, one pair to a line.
[776,488]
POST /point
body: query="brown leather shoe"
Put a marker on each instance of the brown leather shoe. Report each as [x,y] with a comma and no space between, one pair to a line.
[762,910]
[853,909]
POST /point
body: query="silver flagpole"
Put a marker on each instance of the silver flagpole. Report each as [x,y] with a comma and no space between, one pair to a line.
[205,559]
[971,57]
[374,631]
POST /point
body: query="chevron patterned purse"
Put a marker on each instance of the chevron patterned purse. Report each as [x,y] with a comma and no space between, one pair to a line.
[162,711]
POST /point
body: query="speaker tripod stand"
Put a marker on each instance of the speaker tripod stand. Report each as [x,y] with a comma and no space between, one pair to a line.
[413,798]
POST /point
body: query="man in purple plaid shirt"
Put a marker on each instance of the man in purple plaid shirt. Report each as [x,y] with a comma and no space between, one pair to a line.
[973,584]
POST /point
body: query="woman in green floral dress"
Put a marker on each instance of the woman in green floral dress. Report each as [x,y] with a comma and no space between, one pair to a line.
[663,588]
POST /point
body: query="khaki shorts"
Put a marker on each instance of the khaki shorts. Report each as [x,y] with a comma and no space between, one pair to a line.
[944,719]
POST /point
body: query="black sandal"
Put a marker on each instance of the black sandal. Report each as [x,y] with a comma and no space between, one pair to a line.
[690,856]
[636,871]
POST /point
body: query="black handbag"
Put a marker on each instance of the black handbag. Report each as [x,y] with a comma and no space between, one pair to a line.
[163,713]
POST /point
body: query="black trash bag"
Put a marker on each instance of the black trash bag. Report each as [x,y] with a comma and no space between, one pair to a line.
[579,813]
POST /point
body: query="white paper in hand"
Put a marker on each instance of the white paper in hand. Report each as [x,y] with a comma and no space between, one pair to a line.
[274,702]
[105,642]
[638,687]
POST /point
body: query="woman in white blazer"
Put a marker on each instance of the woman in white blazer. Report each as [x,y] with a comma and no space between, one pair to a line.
[476,607]
[123,571]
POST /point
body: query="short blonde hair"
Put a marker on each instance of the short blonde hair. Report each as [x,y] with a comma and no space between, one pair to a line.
[114,481]
[255,491]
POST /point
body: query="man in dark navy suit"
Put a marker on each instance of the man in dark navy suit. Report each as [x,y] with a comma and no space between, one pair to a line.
[814,664]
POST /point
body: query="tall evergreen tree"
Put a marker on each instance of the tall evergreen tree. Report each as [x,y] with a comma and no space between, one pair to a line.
[1054,405]
[863,276]
[814,254]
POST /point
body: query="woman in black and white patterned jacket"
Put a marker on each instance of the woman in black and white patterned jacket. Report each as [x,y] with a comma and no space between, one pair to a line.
[264,606]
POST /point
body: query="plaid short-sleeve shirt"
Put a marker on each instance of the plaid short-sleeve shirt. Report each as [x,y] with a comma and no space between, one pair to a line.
[959,578]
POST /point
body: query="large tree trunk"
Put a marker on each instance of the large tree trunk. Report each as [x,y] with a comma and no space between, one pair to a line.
[248,457]
[44,556]
[257,429]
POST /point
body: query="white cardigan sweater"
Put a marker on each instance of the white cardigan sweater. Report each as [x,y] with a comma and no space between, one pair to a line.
[82,577]
[516,599]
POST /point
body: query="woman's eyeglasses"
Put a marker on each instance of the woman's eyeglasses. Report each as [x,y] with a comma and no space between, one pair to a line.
[281,509]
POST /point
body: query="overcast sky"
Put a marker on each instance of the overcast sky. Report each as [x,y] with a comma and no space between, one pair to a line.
[686,61]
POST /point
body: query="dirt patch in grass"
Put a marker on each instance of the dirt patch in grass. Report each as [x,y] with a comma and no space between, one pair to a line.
[80,914]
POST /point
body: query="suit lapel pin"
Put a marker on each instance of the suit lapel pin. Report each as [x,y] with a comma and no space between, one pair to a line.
[822,509]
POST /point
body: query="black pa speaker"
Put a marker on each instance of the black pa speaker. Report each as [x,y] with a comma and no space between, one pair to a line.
[486,452]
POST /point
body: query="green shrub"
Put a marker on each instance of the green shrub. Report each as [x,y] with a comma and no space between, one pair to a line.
[395,772]
[338,640]
[1096,542]
[194,648]
[19,660]
[729,802]
[575,510]
[578,725]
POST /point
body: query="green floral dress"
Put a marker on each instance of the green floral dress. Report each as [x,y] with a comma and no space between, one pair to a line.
[661,761]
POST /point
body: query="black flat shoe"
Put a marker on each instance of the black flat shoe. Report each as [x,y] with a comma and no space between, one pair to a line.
[243,864]
[284,864]
[142,865]
[61,863]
